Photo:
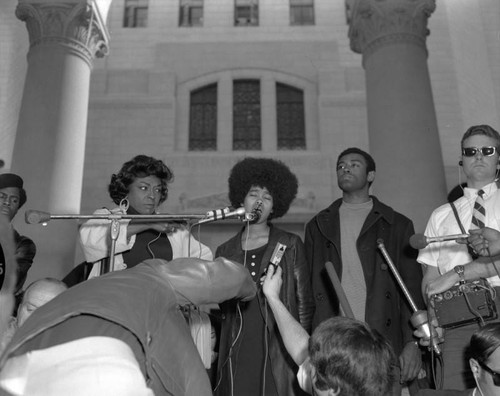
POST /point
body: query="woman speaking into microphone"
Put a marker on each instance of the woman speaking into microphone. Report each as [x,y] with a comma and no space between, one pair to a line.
[252,357]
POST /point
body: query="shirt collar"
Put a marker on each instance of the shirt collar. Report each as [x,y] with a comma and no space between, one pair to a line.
[489,189]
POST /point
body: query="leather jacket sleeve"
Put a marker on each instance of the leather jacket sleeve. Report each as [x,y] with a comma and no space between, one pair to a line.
[304,295]
[198,282]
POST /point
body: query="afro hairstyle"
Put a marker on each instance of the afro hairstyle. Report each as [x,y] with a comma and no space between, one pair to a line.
[267,173]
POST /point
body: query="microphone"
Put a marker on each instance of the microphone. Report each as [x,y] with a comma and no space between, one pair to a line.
[419,241]
[224,213]
[419,317]
[278,252]
[36,217]
[254,215]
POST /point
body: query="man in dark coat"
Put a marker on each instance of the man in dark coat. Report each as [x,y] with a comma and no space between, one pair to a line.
[346,234]
[12,198]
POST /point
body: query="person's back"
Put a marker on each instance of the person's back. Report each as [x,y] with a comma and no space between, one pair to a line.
[125,306]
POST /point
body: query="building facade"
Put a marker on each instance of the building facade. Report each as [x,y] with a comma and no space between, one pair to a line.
[203,83]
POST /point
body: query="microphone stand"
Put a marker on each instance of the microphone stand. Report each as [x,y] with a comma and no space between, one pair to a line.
[36,217]
[419,318]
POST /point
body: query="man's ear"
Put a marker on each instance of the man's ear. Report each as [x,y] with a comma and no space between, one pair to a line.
[474,366]
[370,176]
[331,392]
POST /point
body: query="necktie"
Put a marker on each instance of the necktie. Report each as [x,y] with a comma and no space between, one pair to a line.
[478,219]
[478,213]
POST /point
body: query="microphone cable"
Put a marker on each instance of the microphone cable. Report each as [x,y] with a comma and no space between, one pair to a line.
[239,315]
[229,355]
[197,240]
[266,345]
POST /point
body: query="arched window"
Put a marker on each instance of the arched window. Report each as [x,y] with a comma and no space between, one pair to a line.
[246,115]
[290,116]
[203,119]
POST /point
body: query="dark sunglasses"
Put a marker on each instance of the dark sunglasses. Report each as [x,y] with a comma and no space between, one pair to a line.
[494,374]
[486,151]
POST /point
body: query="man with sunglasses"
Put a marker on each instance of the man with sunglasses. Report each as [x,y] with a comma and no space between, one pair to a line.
[484,362]
[448,263]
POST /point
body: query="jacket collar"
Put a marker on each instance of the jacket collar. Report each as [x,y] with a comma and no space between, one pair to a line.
[328,219]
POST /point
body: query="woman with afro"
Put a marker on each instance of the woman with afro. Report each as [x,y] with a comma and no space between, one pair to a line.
[252,358]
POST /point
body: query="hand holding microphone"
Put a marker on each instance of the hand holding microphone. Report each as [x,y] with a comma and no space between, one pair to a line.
[428,331]
[168,227]
[485,241]
[420,241]
[272,281]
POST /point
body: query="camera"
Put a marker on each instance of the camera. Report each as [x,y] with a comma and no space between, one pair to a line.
[471,302]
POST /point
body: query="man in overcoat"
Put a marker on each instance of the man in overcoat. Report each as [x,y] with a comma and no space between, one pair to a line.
[346,234]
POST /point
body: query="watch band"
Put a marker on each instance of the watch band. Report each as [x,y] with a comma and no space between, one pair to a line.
[459,269]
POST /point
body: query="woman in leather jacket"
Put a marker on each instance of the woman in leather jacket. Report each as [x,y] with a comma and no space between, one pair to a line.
[252,357]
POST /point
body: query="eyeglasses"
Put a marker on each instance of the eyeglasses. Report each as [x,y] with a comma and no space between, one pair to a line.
[494,374]
[486,151]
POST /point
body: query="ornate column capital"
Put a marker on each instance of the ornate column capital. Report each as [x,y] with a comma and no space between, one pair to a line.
[376,23]
[76,25]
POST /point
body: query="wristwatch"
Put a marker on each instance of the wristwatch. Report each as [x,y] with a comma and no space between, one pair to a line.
[459,269]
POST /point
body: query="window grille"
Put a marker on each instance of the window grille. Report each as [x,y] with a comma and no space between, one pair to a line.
[302,12]
[246,115]
[203,119]
[290,116]
[136,13]
[191,13]
[246,13]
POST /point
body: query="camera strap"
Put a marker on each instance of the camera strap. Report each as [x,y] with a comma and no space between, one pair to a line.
[455,212]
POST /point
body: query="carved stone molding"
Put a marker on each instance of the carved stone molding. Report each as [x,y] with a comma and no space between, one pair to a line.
[76,26]
[303,204]
[377,23]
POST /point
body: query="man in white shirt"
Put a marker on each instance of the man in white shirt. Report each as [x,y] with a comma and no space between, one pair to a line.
[448,263]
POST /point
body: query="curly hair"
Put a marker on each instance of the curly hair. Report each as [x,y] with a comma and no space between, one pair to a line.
[267,173]
[139,166]
[351,358]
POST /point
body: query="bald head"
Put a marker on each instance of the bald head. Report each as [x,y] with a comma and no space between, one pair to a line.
[37,294]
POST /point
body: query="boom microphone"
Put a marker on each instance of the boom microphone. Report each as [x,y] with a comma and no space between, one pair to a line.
[225,213]
[36,217]
[419,318]
[420,241]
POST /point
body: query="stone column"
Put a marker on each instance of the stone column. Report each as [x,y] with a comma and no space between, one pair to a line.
[65,36]
[402,125]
